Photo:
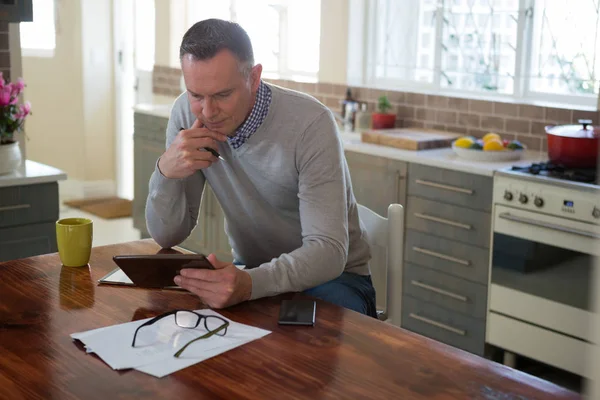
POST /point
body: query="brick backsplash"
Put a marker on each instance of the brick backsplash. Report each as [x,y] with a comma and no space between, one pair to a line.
[465,116]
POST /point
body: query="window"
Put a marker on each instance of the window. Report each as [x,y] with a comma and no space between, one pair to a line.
[38,38]
[278,29]
[524,49]
[144,42]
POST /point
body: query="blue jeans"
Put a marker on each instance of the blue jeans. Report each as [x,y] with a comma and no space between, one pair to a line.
[348,290]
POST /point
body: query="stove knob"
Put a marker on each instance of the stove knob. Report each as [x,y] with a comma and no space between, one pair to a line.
[596,212]
[508,196]
[523,199]
[538,201]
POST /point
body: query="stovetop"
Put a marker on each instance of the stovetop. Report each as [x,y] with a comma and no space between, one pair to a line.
[557,175]
[556,171]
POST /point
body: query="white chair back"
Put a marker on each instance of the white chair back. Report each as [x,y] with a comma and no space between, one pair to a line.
[386,239]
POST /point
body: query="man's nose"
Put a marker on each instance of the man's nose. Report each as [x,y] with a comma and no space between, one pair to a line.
[210,109]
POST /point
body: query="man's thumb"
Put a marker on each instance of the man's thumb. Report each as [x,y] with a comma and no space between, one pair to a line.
[215,262]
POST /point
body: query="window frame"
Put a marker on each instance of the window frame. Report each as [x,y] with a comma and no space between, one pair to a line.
[522,92]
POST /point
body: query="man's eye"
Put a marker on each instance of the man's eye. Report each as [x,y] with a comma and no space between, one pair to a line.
[223,95]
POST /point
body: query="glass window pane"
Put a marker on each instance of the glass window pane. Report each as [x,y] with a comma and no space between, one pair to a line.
[197,10]
[39,34]
[478,45]
[304,35]
[566,47]
[398,56]
[262,23]
[144,35]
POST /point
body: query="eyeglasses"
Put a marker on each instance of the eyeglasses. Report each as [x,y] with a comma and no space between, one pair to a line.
[190,320]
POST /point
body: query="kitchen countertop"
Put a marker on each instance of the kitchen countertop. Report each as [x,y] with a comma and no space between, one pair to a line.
[31,172]
[158,110]
[441,158]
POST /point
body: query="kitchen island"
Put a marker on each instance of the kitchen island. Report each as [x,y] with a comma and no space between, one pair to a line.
[29,208]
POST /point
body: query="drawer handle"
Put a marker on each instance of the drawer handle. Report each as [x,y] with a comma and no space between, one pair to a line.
[444,221]
[439,291]
[17,207]
[445,187]
[439,324]
[442,256]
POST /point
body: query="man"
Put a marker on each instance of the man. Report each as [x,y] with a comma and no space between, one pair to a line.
[284,186]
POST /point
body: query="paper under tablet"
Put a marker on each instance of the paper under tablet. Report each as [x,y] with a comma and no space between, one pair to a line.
[118,277]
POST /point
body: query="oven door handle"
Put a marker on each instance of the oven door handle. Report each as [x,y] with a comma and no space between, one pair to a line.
[548,225]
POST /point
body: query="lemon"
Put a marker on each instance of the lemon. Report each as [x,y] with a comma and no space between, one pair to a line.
[490,136]
[464,142]
[493,145]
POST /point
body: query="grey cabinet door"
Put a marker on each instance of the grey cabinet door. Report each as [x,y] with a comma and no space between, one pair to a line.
[146,153]
[462,224]
[452,187]
[377,182]
[27,240]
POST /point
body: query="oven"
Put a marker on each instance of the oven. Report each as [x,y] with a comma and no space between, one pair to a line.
[545,239]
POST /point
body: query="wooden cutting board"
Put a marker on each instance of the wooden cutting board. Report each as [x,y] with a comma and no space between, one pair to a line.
[410,138]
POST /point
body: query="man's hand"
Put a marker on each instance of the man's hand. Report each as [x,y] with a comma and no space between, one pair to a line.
[186,155]
[222,287]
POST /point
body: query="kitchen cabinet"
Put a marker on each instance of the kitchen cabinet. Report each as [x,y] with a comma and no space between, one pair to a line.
[149,143]
[447,254]
[377,182]
[28,213]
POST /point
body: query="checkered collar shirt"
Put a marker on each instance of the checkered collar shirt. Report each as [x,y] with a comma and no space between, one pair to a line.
[255,119]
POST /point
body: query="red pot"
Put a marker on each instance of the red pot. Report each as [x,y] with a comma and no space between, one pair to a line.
[574,146]
[383,121]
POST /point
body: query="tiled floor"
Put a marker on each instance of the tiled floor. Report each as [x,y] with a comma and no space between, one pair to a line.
[106,231]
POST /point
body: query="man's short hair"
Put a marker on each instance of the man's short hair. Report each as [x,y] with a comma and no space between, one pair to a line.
[206,38]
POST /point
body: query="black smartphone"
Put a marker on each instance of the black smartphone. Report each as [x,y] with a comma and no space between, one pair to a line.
[297,312]
[158,270]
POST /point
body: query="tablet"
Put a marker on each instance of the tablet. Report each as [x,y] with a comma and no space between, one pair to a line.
[158,270]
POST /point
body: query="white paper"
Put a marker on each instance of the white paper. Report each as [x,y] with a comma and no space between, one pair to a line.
[156,344]
[117,276]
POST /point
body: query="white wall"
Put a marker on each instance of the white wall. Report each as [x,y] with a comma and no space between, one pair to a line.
[72,126]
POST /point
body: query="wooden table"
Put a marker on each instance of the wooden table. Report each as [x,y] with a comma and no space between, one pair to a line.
[346,355]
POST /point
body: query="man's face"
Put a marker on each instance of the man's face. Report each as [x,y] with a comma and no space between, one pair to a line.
[221,95]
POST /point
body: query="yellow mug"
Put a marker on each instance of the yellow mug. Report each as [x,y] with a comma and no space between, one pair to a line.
[74,240]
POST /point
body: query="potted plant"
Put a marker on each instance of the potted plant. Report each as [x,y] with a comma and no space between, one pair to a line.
[12,117]
[383,119]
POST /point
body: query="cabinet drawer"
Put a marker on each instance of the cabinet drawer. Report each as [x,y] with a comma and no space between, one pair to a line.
[27,204]
[459,188]
[447,256]
[444,290]
[27,241]
[445,326]
[454,222]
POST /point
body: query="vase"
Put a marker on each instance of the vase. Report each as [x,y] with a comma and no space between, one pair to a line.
[10,157]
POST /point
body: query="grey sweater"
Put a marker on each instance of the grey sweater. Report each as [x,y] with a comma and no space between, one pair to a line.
[286,195]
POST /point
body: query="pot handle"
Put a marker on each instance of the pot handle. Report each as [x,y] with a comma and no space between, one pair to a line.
[585,122]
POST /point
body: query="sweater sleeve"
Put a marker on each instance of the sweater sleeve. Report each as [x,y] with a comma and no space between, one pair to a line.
[323,203]
[173,205]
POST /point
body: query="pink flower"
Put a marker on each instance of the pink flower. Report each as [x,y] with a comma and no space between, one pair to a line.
[25,109]
[19,85]
[5,96]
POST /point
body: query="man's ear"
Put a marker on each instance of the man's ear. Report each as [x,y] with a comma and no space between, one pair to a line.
[255,74]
